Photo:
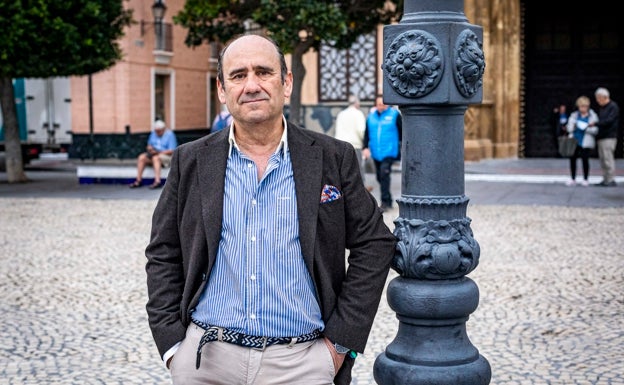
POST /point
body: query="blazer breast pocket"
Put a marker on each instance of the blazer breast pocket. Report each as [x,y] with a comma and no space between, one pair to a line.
[331,214]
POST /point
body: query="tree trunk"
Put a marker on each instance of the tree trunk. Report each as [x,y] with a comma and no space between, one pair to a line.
[299,72]
[12,145]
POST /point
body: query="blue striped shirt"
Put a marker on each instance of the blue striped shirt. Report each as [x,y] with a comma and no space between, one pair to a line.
[259,284]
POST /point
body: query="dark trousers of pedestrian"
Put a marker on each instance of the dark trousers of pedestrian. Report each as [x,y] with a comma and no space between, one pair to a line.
[582,153]
[384,169]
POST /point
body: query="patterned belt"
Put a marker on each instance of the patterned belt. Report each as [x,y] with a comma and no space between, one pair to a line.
[215,333]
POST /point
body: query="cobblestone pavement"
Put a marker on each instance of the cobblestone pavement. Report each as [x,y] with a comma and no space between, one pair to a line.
[72,294]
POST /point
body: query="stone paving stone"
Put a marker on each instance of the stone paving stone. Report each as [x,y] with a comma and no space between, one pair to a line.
[72,294]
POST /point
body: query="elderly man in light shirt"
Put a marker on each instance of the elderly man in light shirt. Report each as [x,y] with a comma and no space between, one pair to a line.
[350,127]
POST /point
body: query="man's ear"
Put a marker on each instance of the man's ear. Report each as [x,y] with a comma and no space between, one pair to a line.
[288,85]
[220,92]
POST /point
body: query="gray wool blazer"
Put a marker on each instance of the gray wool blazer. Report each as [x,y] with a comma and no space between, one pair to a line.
[186,229]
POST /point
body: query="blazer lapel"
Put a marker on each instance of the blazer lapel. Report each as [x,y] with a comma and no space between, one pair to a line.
[211,164]
[307,163]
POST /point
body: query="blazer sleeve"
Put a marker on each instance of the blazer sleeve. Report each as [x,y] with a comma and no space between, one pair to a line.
[371,247]
[164,267]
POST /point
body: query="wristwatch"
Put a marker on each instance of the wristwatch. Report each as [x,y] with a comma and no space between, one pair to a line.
[341,349]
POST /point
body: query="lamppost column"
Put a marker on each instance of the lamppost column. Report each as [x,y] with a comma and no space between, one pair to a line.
[433,67]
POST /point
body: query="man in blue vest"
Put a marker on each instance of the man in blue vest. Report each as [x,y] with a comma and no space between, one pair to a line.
[382,142]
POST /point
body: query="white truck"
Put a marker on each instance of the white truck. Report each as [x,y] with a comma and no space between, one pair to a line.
[43,114]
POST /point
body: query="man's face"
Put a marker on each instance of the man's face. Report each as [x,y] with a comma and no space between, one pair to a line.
[601,100]
[379,104]
[253,89]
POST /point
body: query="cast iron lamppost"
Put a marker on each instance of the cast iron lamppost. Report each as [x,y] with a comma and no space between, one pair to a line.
[158,11]
[433,67]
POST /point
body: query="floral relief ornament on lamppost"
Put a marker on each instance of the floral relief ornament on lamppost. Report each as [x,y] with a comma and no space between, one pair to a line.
[413,64]
[469,63]
[435,250]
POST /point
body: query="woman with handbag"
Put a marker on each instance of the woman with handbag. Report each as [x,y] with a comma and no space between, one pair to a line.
[581,126]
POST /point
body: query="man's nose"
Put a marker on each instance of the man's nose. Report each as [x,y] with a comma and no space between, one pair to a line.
[252,83]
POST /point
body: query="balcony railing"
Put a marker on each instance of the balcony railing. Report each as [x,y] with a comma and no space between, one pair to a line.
[164,37]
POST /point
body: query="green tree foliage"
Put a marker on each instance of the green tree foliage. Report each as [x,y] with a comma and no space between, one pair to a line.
[296,25]
[46,38]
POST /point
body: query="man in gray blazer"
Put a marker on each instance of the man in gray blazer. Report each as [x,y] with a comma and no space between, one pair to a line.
[246,269]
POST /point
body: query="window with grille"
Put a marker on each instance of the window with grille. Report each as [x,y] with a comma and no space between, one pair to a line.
[350,71]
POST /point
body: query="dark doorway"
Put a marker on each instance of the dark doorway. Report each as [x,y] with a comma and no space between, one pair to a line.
[568,53]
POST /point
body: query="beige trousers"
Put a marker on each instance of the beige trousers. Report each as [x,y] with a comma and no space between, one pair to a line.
[222,363]
[606,153]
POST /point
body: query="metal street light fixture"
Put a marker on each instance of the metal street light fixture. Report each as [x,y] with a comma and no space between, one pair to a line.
[158,11]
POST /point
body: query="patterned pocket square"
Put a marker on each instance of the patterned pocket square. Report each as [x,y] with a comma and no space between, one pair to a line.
[330,193]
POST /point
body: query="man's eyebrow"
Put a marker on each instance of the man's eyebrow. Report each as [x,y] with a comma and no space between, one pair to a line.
[257,68]
[264,69]
[236,71]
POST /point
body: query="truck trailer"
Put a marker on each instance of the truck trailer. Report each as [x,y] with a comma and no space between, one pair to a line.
[44,116]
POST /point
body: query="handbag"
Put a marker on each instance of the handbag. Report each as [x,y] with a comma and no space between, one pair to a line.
[567,146]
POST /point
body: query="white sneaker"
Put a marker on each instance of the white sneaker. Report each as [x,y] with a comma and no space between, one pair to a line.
[584,183]
[571,182]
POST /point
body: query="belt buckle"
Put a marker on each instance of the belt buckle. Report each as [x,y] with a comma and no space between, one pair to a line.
[264,345]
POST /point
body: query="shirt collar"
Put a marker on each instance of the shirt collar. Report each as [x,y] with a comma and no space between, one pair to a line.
[283,144]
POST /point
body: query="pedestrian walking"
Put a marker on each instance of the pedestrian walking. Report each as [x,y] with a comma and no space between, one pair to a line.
[222,120]
[382,142]
[608,123]
[559,121]
[350,127]
[582,127]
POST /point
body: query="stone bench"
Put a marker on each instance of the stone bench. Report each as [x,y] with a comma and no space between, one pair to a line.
[115,174]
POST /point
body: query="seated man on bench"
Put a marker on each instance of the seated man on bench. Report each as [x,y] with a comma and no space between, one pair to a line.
[160,146]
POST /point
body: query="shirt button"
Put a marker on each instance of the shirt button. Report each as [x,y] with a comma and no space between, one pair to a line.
[249,165]
[253,202]
[253,238]
[252,316]
[253,277]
